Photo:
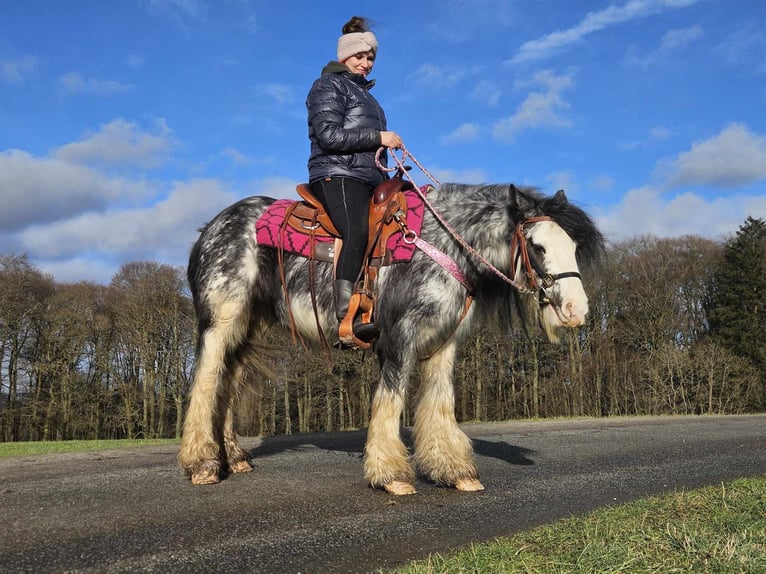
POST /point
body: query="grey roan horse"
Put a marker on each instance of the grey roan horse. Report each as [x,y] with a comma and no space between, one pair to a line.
[420,308]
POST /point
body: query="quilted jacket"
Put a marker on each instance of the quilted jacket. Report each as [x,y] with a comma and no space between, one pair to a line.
[344,122]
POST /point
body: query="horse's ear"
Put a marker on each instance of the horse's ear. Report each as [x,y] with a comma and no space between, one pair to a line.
[561,197]
[521,203]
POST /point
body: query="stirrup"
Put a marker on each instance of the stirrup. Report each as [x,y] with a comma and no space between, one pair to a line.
[357,330]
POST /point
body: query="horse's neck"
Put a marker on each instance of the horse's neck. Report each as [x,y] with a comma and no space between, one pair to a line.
[483,224]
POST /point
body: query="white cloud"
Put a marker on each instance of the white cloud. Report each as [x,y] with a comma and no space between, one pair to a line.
[486,91]
[78,269]
[545,46]
[446,175]
[236,156]
[464,133]
[539,109]
[17,70]
[680,38]
[672,41]
[164,231]
[93,246]
[180,8]
[74,83]
[563,180]
[74,222]
[644,211]
[660,133]
[743,48]
[733,158]
[462,21]
[601,183]
[441,76]
[656,134]
[134,62]
[276,187]
[279,94]
[186,14]
[41,190]
[121,143]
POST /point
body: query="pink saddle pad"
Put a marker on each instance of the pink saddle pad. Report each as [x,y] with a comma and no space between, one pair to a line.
[268,232]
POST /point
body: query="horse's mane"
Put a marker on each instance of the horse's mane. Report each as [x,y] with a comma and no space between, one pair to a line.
[524,202]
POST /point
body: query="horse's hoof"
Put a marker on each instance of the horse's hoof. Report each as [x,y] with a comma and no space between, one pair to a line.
[469,485]
[205,476]
[240,466]
[400,488]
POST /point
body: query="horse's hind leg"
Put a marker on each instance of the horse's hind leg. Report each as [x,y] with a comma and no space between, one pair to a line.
[442,451]
[200,454]
[236,456]
[386,461]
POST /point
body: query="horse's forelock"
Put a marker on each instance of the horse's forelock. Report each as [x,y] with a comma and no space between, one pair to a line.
[577,224]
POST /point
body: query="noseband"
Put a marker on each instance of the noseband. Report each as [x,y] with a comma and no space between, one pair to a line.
[537,279]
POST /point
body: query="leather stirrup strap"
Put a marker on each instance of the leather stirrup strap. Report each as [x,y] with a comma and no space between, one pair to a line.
[281,264]
[312,289]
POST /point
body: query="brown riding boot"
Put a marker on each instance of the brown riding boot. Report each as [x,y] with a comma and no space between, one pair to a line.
[365,332]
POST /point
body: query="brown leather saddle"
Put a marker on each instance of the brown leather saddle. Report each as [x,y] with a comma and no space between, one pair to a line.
[388,207]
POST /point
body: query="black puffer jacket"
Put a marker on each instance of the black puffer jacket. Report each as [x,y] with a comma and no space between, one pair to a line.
[345,122]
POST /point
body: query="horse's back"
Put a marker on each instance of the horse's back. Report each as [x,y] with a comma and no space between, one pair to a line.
[226,252]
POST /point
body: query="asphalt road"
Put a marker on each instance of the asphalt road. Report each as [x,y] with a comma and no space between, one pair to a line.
[306,507]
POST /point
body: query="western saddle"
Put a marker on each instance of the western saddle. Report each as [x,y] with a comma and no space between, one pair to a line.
[388,208]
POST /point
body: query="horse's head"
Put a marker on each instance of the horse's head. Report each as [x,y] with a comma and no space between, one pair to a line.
[544,258]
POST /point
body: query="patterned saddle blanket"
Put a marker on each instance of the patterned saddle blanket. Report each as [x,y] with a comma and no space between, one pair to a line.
[269,230]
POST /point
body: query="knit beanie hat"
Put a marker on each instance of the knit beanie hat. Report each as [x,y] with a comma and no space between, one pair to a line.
[356,43]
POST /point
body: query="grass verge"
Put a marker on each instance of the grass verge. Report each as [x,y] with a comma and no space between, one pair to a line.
[718,529]
[8,449]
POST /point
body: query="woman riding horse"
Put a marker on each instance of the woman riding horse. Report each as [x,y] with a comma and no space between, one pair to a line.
[346,127]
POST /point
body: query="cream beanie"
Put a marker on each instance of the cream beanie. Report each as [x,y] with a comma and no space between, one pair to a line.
[356,43]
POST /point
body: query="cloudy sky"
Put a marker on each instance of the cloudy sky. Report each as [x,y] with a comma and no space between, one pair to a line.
[125,125]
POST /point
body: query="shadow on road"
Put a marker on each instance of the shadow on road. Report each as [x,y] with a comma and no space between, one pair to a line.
[352,442]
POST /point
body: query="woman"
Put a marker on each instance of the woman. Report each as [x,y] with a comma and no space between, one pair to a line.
[346,127]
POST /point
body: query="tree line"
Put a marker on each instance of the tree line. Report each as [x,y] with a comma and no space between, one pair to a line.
[677,326]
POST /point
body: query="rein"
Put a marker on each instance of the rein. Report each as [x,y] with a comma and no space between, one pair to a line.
[519,241]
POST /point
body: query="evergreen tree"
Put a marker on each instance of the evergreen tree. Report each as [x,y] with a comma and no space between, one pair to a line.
[738,297]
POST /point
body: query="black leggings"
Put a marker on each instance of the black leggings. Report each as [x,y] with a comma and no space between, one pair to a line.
[347,202]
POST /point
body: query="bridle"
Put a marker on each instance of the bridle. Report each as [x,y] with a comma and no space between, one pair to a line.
[519,248]
[537,280]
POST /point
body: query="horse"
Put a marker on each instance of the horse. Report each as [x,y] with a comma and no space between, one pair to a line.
[514,249]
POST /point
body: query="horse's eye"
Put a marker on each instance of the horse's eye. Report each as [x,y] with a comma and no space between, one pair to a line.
[539,249]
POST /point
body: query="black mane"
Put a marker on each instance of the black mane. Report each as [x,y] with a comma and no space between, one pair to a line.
[524,202]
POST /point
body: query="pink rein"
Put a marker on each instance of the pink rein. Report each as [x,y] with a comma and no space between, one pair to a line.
[449,265]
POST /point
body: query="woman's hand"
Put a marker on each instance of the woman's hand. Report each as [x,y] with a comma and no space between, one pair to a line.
[390,139]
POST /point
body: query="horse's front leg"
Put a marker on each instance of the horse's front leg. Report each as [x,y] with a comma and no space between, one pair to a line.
[200,454]
[211,393]
[386,461]
[443,452]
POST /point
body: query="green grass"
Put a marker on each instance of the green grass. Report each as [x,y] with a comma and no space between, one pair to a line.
[8,449]
[713,530]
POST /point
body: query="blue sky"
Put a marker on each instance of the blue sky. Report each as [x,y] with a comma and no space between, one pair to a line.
[125,125]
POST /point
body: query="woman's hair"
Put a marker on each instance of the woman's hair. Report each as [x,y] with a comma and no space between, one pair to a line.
[356,24]
[356,39]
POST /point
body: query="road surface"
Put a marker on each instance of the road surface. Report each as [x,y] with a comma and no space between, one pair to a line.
[306,507]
